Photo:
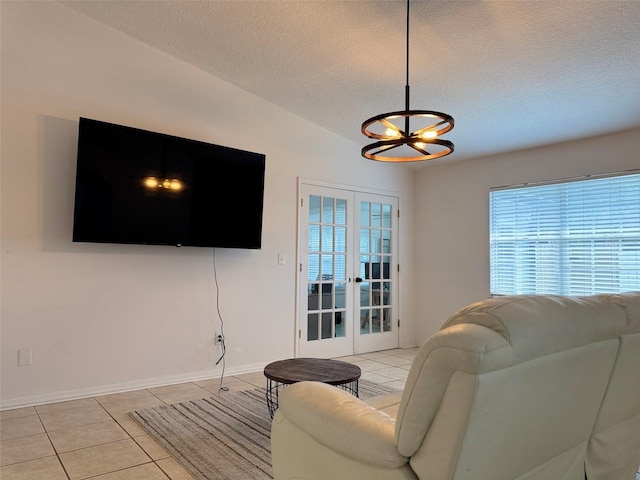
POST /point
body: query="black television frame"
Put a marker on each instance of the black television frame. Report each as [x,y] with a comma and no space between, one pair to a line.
[221,203]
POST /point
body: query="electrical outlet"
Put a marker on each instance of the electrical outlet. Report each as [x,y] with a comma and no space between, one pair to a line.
[217,339]
[24,357]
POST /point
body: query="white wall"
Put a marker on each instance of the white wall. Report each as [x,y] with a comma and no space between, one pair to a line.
[452,214]
[102,318]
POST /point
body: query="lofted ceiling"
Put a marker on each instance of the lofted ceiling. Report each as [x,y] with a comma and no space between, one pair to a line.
[513,74]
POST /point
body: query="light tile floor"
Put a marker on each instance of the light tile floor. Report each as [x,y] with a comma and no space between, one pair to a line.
[95,438]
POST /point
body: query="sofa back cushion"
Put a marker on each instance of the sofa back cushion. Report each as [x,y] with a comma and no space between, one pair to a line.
[510,389]
[538,325]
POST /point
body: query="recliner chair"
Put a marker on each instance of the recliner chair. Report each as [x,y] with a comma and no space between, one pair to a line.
[511,388]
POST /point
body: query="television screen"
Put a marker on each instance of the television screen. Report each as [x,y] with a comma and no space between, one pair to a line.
[139,187]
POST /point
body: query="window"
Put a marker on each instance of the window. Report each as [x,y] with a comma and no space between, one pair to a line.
[579,237]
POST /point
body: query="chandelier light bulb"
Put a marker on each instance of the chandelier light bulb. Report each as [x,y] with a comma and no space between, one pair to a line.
[392,133]
[429,134]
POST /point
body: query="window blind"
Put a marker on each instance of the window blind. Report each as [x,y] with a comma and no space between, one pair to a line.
[571,238]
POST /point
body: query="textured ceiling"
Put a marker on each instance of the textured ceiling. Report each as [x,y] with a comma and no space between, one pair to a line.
[513,74]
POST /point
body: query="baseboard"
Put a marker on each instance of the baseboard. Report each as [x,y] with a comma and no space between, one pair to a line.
[64,396]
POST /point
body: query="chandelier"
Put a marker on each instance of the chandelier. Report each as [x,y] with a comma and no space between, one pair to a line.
[397,142]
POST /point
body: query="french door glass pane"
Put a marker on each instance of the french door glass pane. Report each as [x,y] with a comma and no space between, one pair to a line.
[314,209]
[326,267]
[364,241]
[327,209]
[375,320]
[340,295]
[313,260]
[314,238]
[386,324]
[386,216]
[312,326]
[340,270]
[341,239]
[341,211]
[327,325]
[365,209]
[327,238]
[376,215]
[364,321]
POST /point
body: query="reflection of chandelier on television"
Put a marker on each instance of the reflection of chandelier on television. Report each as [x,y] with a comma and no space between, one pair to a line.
[155,183]
[163,182]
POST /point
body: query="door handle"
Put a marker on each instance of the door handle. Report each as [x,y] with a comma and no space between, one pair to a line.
[358,280]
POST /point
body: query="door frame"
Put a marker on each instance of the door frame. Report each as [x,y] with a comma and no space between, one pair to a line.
[353,190]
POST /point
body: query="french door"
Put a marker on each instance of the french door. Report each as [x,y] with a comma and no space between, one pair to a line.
[348,272]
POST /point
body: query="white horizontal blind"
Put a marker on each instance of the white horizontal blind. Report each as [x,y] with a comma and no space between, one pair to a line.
[572,238]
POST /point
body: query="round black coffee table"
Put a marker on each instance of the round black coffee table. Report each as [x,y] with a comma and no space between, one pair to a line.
[285,372]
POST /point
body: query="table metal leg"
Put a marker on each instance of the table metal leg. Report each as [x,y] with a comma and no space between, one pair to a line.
[273,389]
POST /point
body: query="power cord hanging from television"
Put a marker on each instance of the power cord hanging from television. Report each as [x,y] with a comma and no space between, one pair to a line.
[221,336]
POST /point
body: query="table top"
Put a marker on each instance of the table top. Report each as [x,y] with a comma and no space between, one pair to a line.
[333,372]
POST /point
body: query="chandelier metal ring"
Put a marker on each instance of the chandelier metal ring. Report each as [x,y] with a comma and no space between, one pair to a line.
[381,150]
[441,127]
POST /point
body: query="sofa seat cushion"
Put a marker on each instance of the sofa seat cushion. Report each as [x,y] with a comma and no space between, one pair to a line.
[388,403]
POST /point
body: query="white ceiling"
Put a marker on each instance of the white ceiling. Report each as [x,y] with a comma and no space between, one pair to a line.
[513,74]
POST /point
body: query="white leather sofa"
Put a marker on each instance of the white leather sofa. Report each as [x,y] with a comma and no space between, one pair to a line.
[511,388]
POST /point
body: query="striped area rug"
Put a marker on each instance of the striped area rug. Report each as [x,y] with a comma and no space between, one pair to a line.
[225,436]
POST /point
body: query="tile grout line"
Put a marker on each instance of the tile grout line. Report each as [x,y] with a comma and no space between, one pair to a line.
[55,450]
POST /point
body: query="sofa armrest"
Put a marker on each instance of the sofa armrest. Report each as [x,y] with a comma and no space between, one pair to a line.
[341,422]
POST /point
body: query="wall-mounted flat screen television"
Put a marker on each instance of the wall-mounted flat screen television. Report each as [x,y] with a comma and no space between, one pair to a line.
[139,187]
